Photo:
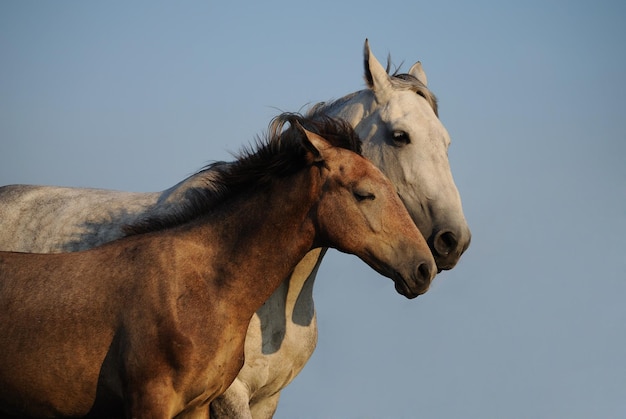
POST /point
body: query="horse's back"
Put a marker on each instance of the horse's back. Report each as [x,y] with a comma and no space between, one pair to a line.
[49,219]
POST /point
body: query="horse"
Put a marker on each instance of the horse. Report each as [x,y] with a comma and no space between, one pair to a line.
[396,117]
[158,319]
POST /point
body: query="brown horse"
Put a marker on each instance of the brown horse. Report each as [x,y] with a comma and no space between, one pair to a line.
[153,325]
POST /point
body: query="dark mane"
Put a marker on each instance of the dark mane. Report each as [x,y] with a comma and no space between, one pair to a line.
[400,81]
[280,153]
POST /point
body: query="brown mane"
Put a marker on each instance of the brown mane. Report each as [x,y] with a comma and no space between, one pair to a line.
[280,153]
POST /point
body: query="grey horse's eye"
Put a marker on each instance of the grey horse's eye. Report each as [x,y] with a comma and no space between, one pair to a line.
[401,138]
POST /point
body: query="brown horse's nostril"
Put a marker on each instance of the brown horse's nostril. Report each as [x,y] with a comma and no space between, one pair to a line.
[445,242]
[425,272]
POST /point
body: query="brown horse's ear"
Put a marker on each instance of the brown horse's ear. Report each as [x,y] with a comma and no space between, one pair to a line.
[314,145]
[376,76]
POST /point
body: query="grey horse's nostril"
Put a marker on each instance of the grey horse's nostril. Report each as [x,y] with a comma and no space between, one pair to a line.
[445,242]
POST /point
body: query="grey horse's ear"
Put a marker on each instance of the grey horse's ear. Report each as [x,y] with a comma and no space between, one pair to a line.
[376,76]
[418,72]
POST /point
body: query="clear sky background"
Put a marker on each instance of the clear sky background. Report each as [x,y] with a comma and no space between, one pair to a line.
[532,321]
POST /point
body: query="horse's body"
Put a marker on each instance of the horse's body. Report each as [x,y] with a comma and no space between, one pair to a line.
[155,322]
[396,117]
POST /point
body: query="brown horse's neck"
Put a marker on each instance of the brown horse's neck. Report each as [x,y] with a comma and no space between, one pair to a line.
[258,238]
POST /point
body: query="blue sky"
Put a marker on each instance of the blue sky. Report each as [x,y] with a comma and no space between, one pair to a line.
[530,324]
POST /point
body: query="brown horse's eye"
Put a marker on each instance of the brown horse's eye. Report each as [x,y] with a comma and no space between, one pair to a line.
[401,138]
[364,196]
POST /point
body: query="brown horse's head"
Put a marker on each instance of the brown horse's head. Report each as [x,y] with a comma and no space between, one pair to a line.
[359,212]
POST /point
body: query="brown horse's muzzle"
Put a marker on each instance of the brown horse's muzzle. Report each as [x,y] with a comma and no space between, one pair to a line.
[417,281]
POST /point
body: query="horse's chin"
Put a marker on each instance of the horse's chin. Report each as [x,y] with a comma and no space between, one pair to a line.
[403,288]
